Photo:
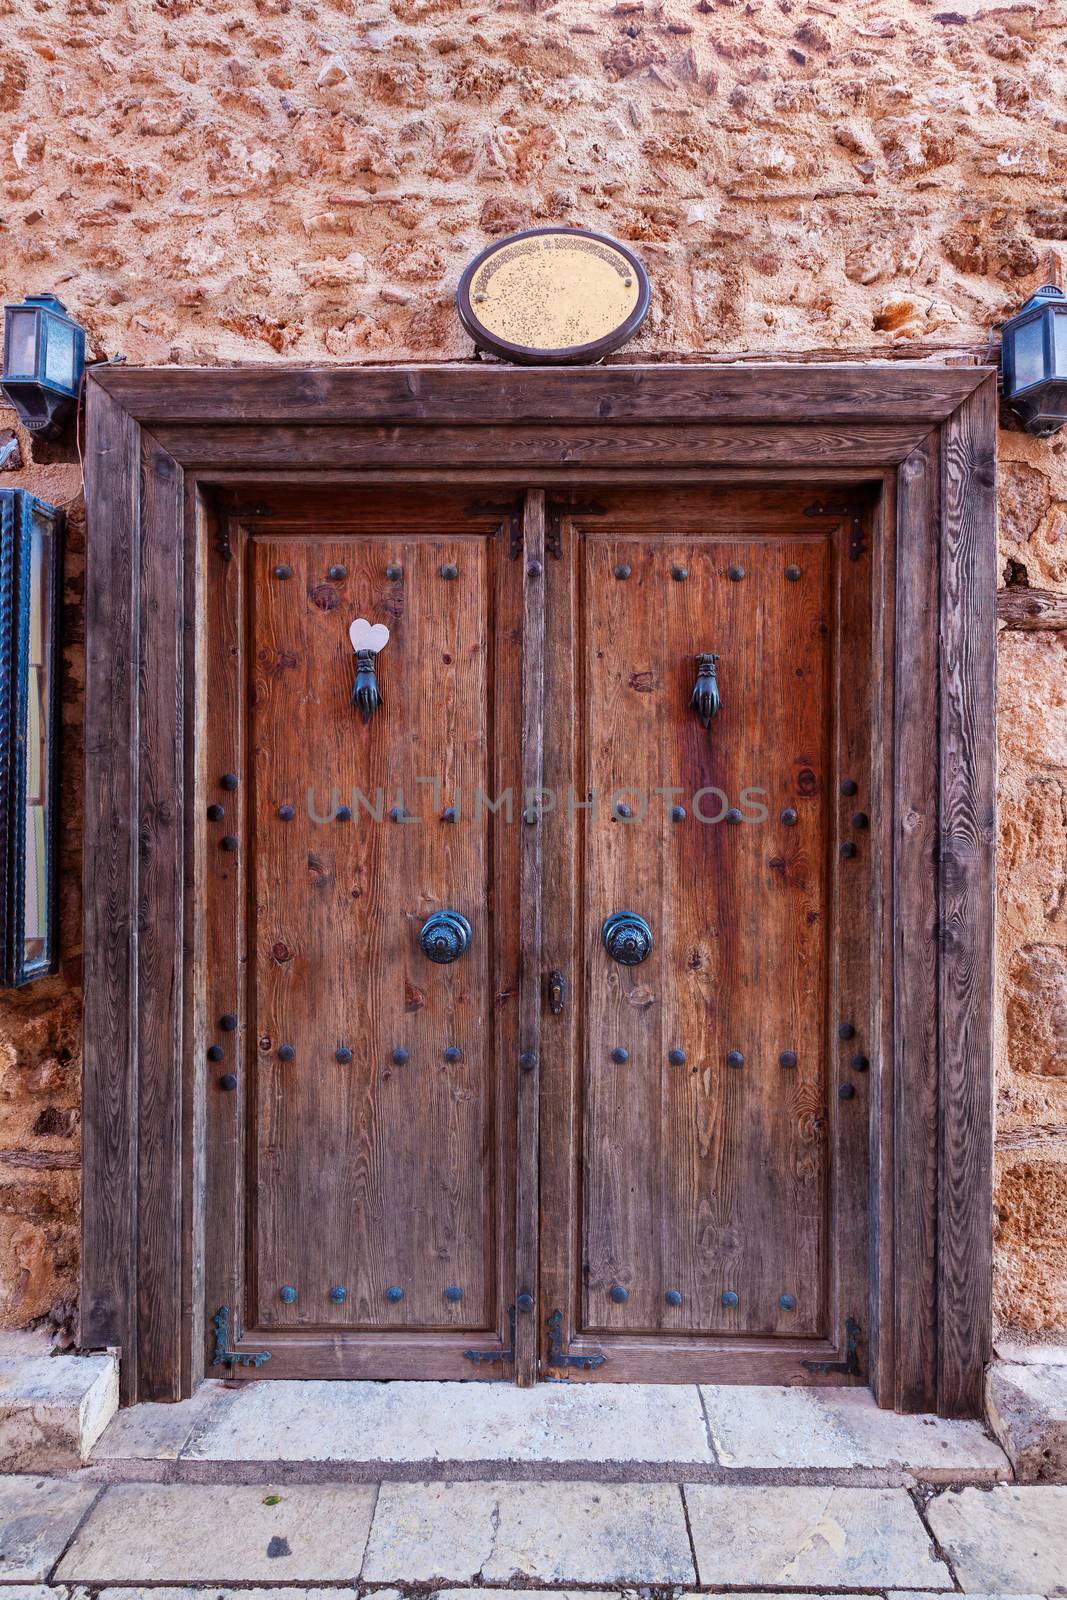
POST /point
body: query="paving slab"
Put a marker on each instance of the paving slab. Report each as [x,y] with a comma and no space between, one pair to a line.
[918,1594]
[37,1518]
[53,1408]
[1005,1540]
[1027,1407]
[811,1538]
[765,1426]
[527,1594]
[180,1592]
[412,1422]
[157,1432]
[197,1533]
[606,1533]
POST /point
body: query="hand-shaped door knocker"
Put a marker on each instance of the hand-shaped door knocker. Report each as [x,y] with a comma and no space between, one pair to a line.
[367,641]
[706,700]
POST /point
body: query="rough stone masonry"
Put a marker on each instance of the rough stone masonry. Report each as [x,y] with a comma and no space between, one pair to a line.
[212,181]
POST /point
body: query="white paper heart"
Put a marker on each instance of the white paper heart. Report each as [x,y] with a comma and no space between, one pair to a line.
[368,636]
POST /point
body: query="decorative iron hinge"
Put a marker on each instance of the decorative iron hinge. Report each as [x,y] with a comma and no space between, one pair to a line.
[841,508]
[224,1356]
[481,1357]
[511,510]
[559,1356]
[555,511]
[851,1364]
[222,539]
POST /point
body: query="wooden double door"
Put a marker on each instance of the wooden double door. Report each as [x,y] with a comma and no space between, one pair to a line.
[539,998]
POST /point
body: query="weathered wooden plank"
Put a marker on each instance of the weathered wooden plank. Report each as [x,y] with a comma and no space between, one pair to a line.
[540,448]
[854,1044]
[915,931]
[160,888]
[222,986]
[477,394]
[967,767]
[561,1066]
[881,1353]
[109,1267]
[1031,609]
[527,1156]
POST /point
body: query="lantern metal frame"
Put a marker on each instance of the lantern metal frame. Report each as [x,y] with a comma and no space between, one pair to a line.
[44,405]
[19,511]
[1031,401]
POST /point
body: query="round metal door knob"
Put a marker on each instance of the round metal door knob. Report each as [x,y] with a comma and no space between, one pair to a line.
[445,936]
[619,1294]
[394,1293]
[287,1294]
[673,1297]
[627,938]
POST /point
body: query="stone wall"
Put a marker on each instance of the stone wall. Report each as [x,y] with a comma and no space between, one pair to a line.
[222,181]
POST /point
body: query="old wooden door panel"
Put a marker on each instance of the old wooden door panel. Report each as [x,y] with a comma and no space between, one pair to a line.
[715,1185]
[362,1150]
[705,1179]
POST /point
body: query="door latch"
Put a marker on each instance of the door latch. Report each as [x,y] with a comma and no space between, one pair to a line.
[557,991]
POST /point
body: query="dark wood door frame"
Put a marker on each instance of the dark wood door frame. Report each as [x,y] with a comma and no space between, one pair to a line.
[923,436]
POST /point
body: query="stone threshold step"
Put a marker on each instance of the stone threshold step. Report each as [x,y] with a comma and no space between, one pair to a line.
[364,1432]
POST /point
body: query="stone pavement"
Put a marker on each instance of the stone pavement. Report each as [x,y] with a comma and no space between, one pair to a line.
[72,1537]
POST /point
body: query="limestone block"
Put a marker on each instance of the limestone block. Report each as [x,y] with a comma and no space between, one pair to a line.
[1007,1540]
[224,1533]
[1037,1010]
[1032,700]
[1027,1407]
[53,1408]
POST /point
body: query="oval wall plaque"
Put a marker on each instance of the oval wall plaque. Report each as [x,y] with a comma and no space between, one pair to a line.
[553,295]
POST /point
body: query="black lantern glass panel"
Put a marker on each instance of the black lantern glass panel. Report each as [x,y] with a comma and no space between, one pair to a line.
[44,358]
[1034,361]
[29,706]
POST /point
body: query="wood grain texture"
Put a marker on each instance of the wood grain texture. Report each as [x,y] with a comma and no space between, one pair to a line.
[700,1178]
[539,448]
[159,814]
[475,394]
[852,1030]
[531,978]
[112,707]
[967,846]
[562,911]
[223,877]
[1031,609]
[371,1173]
[915,931]
[881,523]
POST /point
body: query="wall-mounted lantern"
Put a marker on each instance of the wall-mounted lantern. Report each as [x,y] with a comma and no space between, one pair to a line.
[1033,360]
[30,534]
[44,358]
